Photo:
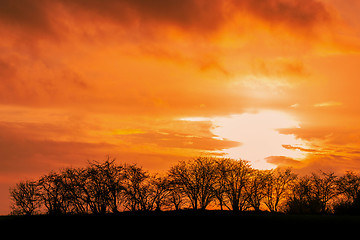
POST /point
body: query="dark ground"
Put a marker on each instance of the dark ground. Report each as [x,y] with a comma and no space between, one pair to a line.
[182,224]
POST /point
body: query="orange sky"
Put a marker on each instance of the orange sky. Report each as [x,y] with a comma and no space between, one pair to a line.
[275,82]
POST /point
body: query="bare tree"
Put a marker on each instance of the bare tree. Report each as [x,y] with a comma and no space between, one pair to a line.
[205,171]
[25,198]
[104,185]
[302,198]
[234,176]
[255,188]
[53,194]
[324,187]
[161,190]
[349,186]
[175,196]
[277,186]
[183,179]
[196,179]
[73,181]
[220,186]
[136,188]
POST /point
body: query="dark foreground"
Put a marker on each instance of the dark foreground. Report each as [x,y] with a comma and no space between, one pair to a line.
[181,223]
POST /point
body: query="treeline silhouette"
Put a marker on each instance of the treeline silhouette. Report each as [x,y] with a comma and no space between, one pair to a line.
[201,183]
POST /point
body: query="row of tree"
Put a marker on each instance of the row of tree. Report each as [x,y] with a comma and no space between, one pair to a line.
[201,183]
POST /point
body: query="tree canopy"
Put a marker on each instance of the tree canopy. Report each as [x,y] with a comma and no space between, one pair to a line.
[199,183]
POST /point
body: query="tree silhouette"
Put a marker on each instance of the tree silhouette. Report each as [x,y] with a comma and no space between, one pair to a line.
[277,186]
[25,198]
[255,189]
[349,186]
[74,180]
[324,187]
[234,176]
[196,179]
[200,183]
[136,188]
[103,186]
[53,194]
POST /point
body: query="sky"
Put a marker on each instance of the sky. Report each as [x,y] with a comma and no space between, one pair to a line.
[152,82]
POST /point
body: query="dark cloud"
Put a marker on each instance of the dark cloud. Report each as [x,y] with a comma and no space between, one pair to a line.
[335,163]
[290,147]
[207,16]
[339,136]
[309,133]
[7,70]
[187,14]
[29,81]
[176,140]
[7,74]
[282,161]
[190,15]
[27,15]
[26,153]
[292,13]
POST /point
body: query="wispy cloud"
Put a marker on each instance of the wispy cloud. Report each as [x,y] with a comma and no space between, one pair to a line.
[327,104]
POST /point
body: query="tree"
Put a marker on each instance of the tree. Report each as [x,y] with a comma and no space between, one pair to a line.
[324,188]
[349,186]
[175,196]
[255,188]
[25,198]
[205,171]
[220,186]
[233,178]
[161,191]
[73,181]
[103,186]
[302,198]
[196,179]
[53,194]
[136,188]
[276,187]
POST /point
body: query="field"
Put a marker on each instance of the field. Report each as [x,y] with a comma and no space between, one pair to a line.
[182,223]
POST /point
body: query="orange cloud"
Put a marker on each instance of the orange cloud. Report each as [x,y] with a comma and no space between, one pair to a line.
[141,15]
[283,161]
[328,104]
[83,79]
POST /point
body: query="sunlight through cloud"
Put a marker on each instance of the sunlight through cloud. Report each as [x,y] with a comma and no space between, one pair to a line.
[258,134]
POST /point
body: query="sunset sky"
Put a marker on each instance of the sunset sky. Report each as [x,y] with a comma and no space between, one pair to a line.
[152,82]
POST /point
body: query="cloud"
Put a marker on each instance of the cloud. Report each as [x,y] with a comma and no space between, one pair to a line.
[176,140]
[282,161]
[327,104]
[322,135]
[334,148]
[298,148]
[278,67]
[92,58]
[86,78]
[50,138]
[309,133]
[57,87]
[30,149]
[196,16]
[26,15]
[336,163]
[291,13]
[192,15]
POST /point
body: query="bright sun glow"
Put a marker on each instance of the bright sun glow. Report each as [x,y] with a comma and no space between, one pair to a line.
[258,134]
